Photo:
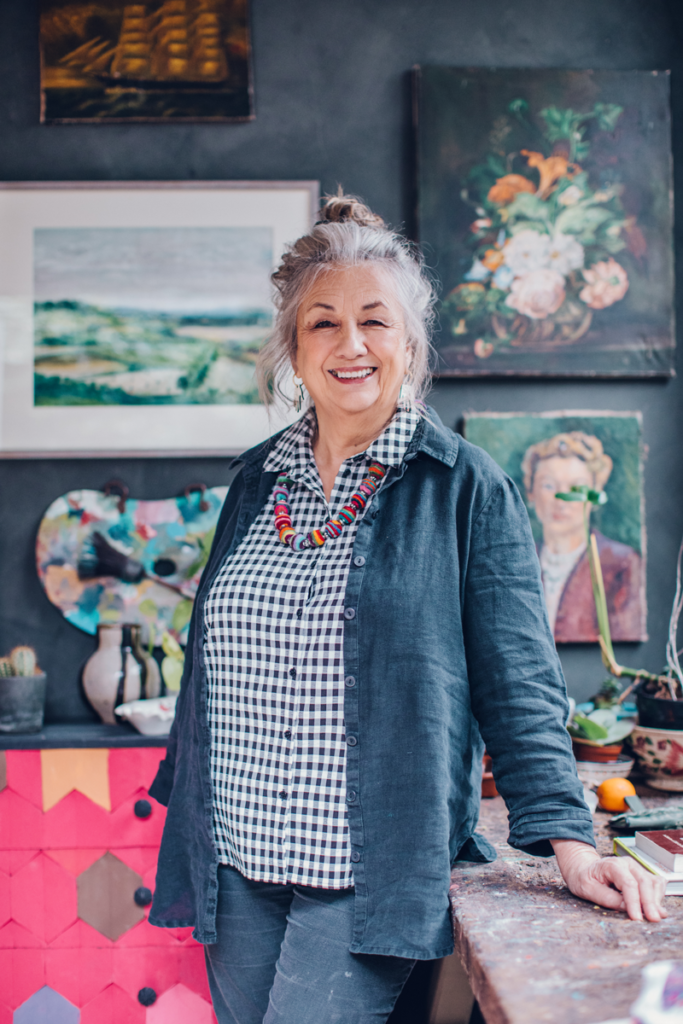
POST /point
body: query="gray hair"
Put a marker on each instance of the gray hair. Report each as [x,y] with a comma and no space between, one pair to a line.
[348,234]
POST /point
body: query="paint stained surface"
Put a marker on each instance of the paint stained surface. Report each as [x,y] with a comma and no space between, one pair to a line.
[161,60]
[143,565]
[149,316]
[545,208]
[546,454]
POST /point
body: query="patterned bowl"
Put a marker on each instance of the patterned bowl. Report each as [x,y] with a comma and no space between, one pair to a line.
[592,773]
[660,756]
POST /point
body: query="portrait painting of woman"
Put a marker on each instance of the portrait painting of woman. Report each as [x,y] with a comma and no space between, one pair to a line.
[555,466]
[549,454]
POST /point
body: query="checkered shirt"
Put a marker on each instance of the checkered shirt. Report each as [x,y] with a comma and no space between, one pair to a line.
[273,642]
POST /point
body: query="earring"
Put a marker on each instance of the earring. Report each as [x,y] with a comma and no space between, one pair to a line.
[405,393]
[299,386]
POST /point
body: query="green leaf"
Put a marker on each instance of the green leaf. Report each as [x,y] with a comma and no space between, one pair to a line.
[172,671]
[571,496]
[607,114]
[528,206]
[148,608]
[172,648]
[181,615]
[576,220]
[588,728]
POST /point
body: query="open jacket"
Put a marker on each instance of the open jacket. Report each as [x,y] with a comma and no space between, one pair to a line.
[621,572]
[449,642]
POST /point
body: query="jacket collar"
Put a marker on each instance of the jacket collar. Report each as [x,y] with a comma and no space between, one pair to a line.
[430,437]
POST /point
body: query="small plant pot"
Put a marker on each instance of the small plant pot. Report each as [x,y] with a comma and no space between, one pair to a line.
[22,703]
[658,712]
[588,752]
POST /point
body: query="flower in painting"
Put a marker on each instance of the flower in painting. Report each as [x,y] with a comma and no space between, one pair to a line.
[477,272]
[570,196]
[550,170]
[538,294]
[503,277]
[565,253]
[607,284]
[509,186]
[674,761]
[480,224]
[526,251]
[492,258]
[483,349]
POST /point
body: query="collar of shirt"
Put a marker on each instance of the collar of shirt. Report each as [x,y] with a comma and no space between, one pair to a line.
[294,450]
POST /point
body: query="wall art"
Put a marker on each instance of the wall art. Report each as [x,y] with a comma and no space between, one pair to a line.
[105,559]
[545,208]
[549,453]
[131,315]
[157,61]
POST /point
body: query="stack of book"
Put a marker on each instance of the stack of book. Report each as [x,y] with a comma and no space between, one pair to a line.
[660,852]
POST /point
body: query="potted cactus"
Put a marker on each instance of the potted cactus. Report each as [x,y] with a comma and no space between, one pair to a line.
[22,692]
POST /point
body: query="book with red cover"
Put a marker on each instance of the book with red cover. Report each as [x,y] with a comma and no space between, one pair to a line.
[664,846]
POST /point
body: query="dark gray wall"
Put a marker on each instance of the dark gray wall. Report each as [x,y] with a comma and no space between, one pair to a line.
[332,102]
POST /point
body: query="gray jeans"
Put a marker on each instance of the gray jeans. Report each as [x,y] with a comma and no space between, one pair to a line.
[282,957]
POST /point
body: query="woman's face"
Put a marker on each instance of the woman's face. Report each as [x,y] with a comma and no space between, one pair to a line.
[560,519]
[351,347]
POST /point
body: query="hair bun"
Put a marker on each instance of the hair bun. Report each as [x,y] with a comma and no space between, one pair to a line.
[341,208]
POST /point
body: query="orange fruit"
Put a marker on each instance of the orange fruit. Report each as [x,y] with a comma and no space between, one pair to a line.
[612,792]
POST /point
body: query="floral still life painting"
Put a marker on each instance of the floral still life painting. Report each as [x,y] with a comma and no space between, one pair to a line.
[545,210]
[549,454]
[104,559]
[161,60]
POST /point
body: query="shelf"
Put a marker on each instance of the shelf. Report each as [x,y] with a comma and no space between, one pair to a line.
[80,734]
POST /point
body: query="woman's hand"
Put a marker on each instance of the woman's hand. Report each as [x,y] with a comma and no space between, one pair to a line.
[618,883]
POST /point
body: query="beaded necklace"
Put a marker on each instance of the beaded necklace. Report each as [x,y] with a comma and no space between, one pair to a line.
[333,527]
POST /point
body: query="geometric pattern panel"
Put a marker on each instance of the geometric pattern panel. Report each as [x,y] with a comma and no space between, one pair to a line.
[106,892]
[180,1006]
[53,961]
[47,1007]
[86,771]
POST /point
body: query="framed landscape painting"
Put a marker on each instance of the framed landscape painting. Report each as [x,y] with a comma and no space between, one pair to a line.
[131,315]
[160,60]
[545,209]
[549,453]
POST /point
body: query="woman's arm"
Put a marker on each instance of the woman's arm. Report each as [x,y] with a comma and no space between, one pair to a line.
[614,882]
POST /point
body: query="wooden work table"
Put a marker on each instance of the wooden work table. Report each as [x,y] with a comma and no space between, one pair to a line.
[535,953]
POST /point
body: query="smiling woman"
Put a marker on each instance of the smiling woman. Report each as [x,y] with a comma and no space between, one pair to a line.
[371,609]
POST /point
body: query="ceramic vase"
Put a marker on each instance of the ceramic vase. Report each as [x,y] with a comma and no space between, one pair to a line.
[152,673]
[114,674]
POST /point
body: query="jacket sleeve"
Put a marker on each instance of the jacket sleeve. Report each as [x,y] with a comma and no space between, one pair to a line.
[162,785]
[517,688]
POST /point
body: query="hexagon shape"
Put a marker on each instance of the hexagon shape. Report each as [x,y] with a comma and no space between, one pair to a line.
[47,1007]
[177,1006]
[43,898]
[106,897]
[113,1006]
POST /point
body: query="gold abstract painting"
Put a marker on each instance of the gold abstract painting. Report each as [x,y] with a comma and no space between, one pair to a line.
[159,61]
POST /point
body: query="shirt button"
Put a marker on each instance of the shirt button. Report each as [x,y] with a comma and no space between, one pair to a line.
[374,513]
[350,681]
[292,673]
[349,613]
[355,856]
[283,794]
[299,612]
[351,740]
[359,560]
[351,796]
[288,734]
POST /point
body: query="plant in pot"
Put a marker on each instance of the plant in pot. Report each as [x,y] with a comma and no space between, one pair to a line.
[659,696]
[22,692]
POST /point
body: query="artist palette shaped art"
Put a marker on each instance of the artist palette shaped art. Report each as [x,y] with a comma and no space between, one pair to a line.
[105,559]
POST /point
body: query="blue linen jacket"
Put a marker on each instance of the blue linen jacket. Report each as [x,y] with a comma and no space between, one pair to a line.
[446,641]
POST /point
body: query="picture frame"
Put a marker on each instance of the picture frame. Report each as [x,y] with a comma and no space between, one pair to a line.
[113,294]
[163,62]
[545,209]
[547,453]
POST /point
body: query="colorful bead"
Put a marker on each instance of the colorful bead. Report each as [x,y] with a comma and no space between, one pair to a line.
[333,527]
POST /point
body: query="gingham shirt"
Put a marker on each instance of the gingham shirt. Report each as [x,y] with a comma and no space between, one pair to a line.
[274,631]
